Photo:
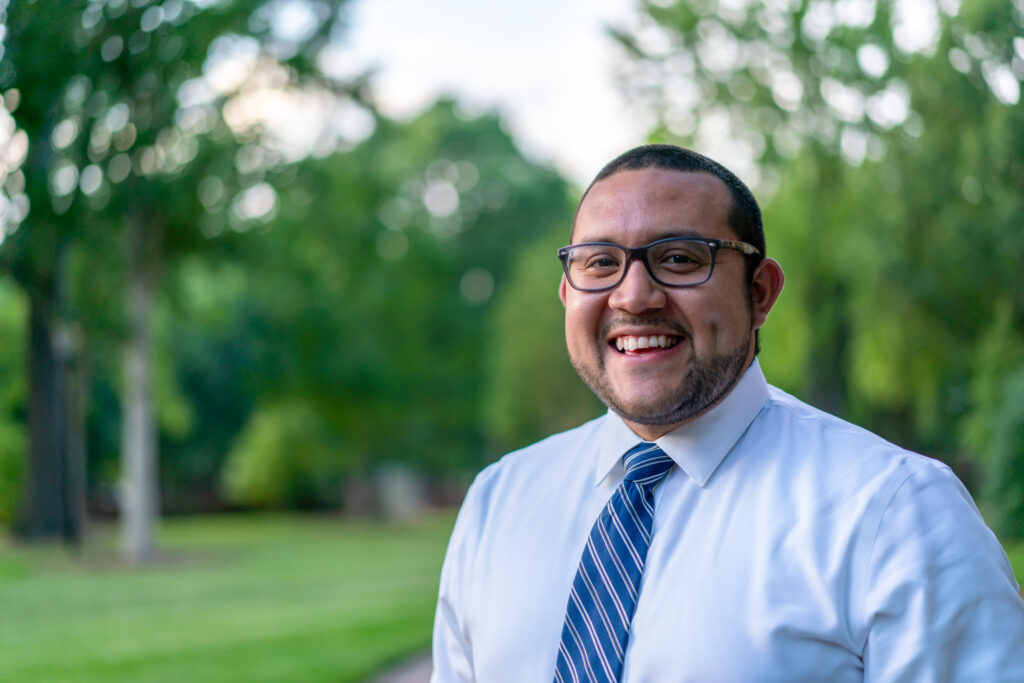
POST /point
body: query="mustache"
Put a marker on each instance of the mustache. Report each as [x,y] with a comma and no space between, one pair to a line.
[634,321]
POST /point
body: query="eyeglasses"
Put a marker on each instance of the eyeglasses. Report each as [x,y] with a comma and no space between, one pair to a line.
[672,262]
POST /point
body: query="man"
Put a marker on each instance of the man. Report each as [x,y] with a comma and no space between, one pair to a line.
[761,540]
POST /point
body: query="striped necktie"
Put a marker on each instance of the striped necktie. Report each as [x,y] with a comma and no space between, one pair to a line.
[607,583]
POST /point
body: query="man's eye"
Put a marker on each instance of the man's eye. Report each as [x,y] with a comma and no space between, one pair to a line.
[601,263]
[681,260]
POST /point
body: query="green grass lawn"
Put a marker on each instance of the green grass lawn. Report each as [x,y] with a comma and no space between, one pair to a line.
[237,598]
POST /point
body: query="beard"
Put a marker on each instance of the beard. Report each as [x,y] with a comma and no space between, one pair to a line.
[706,382]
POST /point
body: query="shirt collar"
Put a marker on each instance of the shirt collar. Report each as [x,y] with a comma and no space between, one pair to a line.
[697,447]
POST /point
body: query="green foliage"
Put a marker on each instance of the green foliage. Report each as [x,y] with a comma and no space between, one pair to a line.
[1005,482]
[532,389]
[124,124]
[999,354]
[1015,553]
[366,301]
[397,302]
[285,457]
[132,121]
[13,388]
[142,118]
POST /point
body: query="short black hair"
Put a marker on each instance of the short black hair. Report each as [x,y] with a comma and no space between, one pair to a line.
[744,214]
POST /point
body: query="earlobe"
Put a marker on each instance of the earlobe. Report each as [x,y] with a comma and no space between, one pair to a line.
[561,290]
[765,288]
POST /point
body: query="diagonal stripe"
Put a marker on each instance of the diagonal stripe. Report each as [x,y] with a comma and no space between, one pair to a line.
[649,509]
[612,596]
[606,621]
[641,521]
[605,591]
[602,652]
[632,511]
[595,655]
[631,543]
[591,633]
[593,602]
[565,661]
[581,653]
[627,511]
[616,562]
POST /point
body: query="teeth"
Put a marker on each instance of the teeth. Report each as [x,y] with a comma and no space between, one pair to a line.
[630,343]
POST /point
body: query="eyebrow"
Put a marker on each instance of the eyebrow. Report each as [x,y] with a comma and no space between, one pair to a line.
[654,238]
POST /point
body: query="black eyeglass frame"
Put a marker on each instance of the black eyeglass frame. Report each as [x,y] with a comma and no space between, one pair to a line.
[640,253]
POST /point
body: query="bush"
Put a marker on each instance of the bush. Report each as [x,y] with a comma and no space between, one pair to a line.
[12,466]
[1005,486]
[13,437]
[287,456]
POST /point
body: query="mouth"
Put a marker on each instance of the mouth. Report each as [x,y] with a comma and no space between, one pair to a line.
[628,343]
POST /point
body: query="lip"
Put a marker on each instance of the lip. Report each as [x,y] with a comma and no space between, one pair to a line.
[646,331]
[643,333]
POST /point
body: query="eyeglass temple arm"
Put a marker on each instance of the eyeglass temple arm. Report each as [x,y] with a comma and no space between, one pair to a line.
[748,249]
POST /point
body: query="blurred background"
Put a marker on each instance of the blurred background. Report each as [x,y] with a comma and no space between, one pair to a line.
[277,278]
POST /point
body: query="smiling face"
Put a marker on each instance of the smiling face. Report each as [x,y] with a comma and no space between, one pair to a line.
[660,356]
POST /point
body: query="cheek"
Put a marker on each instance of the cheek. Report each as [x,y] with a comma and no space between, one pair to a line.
[720,321]
[732,327]
[582,326]
[581,316]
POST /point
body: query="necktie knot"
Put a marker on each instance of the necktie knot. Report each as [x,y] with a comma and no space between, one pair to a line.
[646,464]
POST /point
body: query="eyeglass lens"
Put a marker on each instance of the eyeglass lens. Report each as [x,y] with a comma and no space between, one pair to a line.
[673,262]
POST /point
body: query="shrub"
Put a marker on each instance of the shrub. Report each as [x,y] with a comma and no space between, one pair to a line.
[287,456]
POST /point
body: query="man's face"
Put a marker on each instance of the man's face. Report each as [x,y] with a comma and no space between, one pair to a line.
[708,329]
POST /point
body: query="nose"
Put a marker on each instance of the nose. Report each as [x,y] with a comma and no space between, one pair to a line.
[638,292]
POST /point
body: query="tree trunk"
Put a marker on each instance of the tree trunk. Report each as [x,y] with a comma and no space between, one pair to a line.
[140,494]
[78,402]
[45,514]
[54,506]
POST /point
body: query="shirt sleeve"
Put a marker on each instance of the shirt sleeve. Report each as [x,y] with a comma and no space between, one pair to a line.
[941,602]
[452,647]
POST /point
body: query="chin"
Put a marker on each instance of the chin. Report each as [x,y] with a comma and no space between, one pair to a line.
[704,386]
[647,414]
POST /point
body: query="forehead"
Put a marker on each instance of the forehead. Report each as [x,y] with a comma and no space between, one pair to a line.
[641,205]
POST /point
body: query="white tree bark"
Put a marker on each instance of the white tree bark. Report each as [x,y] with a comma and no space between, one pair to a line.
[139,491]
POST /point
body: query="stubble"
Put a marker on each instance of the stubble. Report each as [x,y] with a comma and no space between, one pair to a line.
[705,382]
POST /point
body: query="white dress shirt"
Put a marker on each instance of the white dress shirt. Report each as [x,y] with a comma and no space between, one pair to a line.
[788,546]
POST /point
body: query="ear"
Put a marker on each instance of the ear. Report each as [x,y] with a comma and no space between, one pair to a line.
[765,288]
[561,289]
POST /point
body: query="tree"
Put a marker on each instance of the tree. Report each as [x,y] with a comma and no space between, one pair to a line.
[377,279]
[139,118]
[532,390]
[893,142]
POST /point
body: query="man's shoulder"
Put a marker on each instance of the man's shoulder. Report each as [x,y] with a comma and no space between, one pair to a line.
[787,411]
[554,452]
[833,447]
[524,476]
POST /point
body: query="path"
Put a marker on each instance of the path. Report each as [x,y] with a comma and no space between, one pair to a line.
[415,670]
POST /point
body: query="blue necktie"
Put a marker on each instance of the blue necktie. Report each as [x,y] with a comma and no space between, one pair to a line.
[607,583]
